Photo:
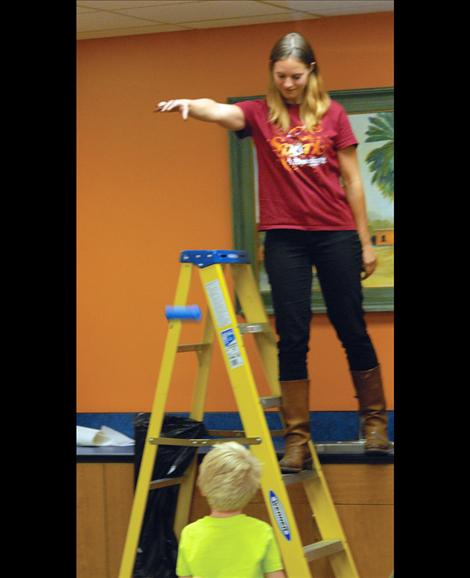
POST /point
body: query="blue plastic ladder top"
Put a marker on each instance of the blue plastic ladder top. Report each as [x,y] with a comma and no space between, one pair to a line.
[207,258]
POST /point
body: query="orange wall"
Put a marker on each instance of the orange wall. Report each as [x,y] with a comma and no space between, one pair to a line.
[151,185]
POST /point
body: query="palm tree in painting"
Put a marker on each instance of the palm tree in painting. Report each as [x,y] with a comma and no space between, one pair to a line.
[381,160]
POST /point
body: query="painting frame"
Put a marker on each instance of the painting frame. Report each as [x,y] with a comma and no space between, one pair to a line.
[242,174]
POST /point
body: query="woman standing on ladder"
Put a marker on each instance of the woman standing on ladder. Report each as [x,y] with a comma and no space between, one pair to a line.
[312,207]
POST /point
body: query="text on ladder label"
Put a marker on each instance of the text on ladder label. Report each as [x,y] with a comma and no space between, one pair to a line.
[231,348]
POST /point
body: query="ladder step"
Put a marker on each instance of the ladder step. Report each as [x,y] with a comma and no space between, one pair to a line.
[300,477]
[235,433]
[322,549]
[270,401]
[226,433]
[192,347]
[253,327]
[239,433]
[164,482]
[201,441]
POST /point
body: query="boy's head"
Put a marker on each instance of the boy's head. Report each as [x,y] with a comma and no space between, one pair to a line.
[229,477]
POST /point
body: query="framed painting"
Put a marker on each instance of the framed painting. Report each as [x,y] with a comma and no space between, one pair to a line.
[370,112]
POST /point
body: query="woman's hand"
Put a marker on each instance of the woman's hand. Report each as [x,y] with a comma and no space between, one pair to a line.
[181,105]
[369,261]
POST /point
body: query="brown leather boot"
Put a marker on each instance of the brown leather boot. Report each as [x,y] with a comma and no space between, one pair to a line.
[295,413]
[369,389]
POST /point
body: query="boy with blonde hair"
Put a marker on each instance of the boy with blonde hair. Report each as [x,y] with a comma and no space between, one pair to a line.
[228,543]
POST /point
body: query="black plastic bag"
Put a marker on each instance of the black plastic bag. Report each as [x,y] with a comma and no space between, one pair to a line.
[158,546]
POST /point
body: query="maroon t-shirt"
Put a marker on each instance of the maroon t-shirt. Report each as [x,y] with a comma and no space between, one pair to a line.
[299,177]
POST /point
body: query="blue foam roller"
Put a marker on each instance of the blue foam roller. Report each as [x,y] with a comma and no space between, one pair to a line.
[190,312]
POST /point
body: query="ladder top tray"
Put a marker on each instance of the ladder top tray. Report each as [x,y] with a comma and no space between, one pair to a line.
[206,258]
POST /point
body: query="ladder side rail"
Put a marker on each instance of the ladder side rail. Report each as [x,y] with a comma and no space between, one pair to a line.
[156,419]
[254,421]
[186,489]
[327,519]
[247,291]
[204,365]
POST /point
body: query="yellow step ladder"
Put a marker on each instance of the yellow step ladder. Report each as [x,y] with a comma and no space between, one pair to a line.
[222,325]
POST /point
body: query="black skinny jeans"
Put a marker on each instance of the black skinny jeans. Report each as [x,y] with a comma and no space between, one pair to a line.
[337,256]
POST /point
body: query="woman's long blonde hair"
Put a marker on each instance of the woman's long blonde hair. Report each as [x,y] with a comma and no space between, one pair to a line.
[316,100]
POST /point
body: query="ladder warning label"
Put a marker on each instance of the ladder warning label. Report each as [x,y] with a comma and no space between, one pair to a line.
[279,515]
[216,297]
[231,348]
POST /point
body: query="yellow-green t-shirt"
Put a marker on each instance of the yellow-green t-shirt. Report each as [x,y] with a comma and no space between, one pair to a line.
[234,547]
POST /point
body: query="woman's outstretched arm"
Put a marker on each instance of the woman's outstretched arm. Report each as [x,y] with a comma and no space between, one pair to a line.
[226,115]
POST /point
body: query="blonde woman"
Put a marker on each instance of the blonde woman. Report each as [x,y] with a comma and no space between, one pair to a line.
[313,209]
[228,543]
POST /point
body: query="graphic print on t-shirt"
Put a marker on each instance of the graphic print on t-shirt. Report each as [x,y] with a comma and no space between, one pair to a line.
[300,148]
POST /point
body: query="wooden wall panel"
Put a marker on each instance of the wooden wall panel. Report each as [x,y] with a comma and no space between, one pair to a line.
[119,491]
[363,494]
[92,559]
[360,483]
[369,530]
